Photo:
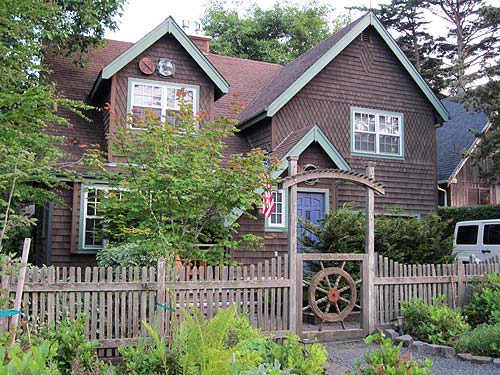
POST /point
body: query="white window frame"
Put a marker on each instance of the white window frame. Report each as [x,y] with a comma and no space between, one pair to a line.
[164,86]
[377,133]
[82,247]
[275,213]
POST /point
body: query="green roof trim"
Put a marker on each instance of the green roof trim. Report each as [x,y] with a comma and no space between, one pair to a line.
[169,26]
[315,134]
[369,19]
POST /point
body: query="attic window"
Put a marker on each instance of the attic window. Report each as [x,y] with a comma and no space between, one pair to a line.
[365,37]
[158,99]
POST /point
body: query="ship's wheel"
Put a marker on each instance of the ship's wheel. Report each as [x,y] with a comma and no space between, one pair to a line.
[332,294]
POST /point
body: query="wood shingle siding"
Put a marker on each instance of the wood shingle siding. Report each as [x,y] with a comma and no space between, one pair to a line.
[368,75]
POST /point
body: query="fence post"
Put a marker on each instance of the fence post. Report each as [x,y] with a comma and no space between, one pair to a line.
[5,293]
[161,299]
[20,287]
[292,244]
[370,251]
[460,283]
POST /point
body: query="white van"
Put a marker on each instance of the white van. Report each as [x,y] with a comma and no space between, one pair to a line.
[478,239]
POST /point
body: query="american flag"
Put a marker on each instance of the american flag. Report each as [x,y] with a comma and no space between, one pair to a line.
[267,200]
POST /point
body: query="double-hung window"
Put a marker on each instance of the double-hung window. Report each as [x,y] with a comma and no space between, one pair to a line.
[277,219]
[159,100]
[376,132]
[92,236]
[91,223]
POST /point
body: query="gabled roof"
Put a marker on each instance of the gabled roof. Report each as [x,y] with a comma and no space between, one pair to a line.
[454,137]
[295,75]
[298,141]
[169,26]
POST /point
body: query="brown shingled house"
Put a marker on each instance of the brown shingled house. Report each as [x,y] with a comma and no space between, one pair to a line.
[351,99]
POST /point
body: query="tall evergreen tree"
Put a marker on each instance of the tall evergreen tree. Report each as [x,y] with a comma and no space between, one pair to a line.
[472,40]
[408,19]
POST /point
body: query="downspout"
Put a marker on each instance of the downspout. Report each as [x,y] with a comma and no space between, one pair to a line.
[445,196]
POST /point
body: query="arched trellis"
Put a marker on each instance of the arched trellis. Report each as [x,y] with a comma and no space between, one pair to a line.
[372,187]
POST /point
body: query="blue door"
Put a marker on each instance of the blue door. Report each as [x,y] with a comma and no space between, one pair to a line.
[310,208]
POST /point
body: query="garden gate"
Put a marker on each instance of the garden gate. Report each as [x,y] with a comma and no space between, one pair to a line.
[332,292]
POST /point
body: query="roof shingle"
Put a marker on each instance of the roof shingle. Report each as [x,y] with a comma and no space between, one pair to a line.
[454,136]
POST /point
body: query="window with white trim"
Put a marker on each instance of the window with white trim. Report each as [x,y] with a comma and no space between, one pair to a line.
[377,132]
[91,218]
[92,235]
[159,99]
[277,218]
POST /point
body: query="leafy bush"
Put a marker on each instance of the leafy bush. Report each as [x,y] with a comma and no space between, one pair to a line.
[482,340]
[405,239]
[140,359]
[141,253]
[34,360]
[453,215]
[387,359]
[301,360]
[436,324]
[485,304]
[71,345]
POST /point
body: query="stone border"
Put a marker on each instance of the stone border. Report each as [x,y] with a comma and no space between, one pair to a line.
[438,350]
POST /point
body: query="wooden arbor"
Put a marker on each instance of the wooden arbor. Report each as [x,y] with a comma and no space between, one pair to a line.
[372,187]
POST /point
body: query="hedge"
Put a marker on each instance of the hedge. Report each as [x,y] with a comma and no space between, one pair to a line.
[455,214]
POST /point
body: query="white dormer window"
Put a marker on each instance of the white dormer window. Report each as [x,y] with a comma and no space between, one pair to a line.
[159,99]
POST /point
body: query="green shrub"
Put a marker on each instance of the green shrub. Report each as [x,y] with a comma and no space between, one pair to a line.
[387,359]
[308,360]
[405,239]
[485,304]
[141,253]
[207,346]
[453,215]
[145,359]
[436,324]
[72,345]
[228,345]
[34,360]
[482,340]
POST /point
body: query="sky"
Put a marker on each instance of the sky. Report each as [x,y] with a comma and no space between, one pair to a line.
[141,16]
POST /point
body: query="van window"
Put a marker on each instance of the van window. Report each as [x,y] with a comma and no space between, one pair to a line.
[467,235]
[491,234]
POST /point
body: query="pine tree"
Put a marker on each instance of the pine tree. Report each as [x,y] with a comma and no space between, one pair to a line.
[408,19]
[471,42]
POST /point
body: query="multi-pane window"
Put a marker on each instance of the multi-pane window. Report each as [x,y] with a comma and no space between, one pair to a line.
[92,235]
[159,100]
[377,133]
[92,219]
[277,218]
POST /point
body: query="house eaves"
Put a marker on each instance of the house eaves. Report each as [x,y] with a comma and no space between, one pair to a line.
[169,26]
[271,108]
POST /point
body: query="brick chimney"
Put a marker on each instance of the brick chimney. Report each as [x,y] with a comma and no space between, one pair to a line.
[202,42]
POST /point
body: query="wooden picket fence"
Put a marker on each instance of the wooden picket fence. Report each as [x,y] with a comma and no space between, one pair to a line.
[117,300]
[396,283]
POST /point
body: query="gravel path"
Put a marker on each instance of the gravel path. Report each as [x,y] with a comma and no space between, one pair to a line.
[343,354]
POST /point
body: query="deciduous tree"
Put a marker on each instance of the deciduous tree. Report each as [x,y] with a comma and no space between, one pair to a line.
[175,189]
[27,101]
[278,34]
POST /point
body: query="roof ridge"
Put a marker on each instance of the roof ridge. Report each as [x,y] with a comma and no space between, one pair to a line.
[240,58]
